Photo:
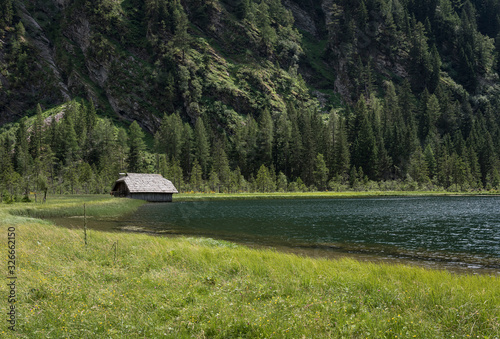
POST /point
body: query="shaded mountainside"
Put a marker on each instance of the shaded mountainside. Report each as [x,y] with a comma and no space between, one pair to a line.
[325,91]
[139,60]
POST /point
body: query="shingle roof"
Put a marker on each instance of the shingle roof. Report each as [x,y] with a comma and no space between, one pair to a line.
[147,183]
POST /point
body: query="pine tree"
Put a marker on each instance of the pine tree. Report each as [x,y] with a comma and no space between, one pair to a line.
[170,138]
[282,182]
[418,168]
[6,165]
[264,180]
[214,181]
[196,179]
[342,162]
[353,178]
[201,146]
[122,148]
[36,134]
[391,111]
[137,147]
[431,161]
[420,62]
[364,153]
[309,143]
[296,147]
[242,8]
[220,165]
[70,148]
[320,172]
[475,170]
[435,62]
[282,143]
[251,152]
[90,117]
[430,118]
[240,149]
[22,158]
[6,13]
[265,138]
[187,148]
[181,23]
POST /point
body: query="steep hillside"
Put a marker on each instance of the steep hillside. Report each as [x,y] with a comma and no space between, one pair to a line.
[140,60]
[328,93]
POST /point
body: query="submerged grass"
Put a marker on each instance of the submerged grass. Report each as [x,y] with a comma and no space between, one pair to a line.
[194,287]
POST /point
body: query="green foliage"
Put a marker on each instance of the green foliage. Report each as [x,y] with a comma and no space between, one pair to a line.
[235,81]
[320,172]
[137,147]
[6,11]
[202,146]
[264,181]
[193,281]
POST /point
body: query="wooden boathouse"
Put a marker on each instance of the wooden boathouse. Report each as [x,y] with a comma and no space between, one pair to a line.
[149,187]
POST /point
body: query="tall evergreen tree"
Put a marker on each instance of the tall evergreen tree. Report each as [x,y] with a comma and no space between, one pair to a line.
[320,172]
[266,138]
[6,13]
[342,157]
[420,61]
[364,149]
[282,142]
[36,133]
[196,176]
[187,148]
[201,146]
[137,147]
[22,158]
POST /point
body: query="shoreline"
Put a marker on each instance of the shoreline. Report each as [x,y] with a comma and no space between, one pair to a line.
[135,285]
[452,262]
[188,197]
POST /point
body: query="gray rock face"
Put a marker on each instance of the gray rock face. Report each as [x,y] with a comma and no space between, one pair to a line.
[303,20]
[42,44]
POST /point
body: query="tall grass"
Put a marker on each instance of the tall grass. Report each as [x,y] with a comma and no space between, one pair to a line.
[72,205]
[192,287]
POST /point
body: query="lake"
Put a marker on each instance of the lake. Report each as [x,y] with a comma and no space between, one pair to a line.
[457,233]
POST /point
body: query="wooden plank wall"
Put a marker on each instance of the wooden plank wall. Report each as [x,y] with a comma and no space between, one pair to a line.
[153,197]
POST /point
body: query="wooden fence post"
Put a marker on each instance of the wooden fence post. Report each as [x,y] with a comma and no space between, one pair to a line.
[85,224]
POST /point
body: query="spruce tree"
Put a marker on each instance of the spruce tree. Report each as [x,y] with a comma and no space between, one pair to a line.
[420,61]
[36,134]
[137,146]
[320,172]
[364,153]
[187,148]
[342,156]
[196,176]
[22,158]
[282,143]
[6,13]
[201,146]
[266,138]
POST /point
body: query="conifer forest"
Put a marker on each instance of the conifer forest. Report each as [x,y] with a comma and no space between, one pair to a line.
[250,95]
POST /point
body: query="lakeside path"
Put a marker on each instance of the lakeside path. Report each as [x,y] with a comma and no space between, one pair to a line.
[140,286]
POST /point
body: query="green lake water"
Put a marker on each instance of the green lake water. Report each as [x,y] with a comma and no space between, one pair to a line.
[461,233]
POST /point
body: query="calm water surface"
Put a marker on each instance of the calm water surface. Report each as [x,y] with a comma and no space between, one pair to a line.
[457,232]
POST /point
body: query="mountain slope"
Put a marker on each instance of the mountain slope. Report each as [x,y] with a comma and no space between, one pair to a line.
[331,92]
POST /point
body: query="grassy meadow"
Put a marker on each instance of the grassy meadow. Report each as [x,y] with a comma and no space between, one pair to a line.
[139,286]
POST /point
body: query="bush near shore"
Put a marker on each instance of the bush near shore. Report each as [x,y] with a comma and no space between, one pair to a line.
[138,286]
